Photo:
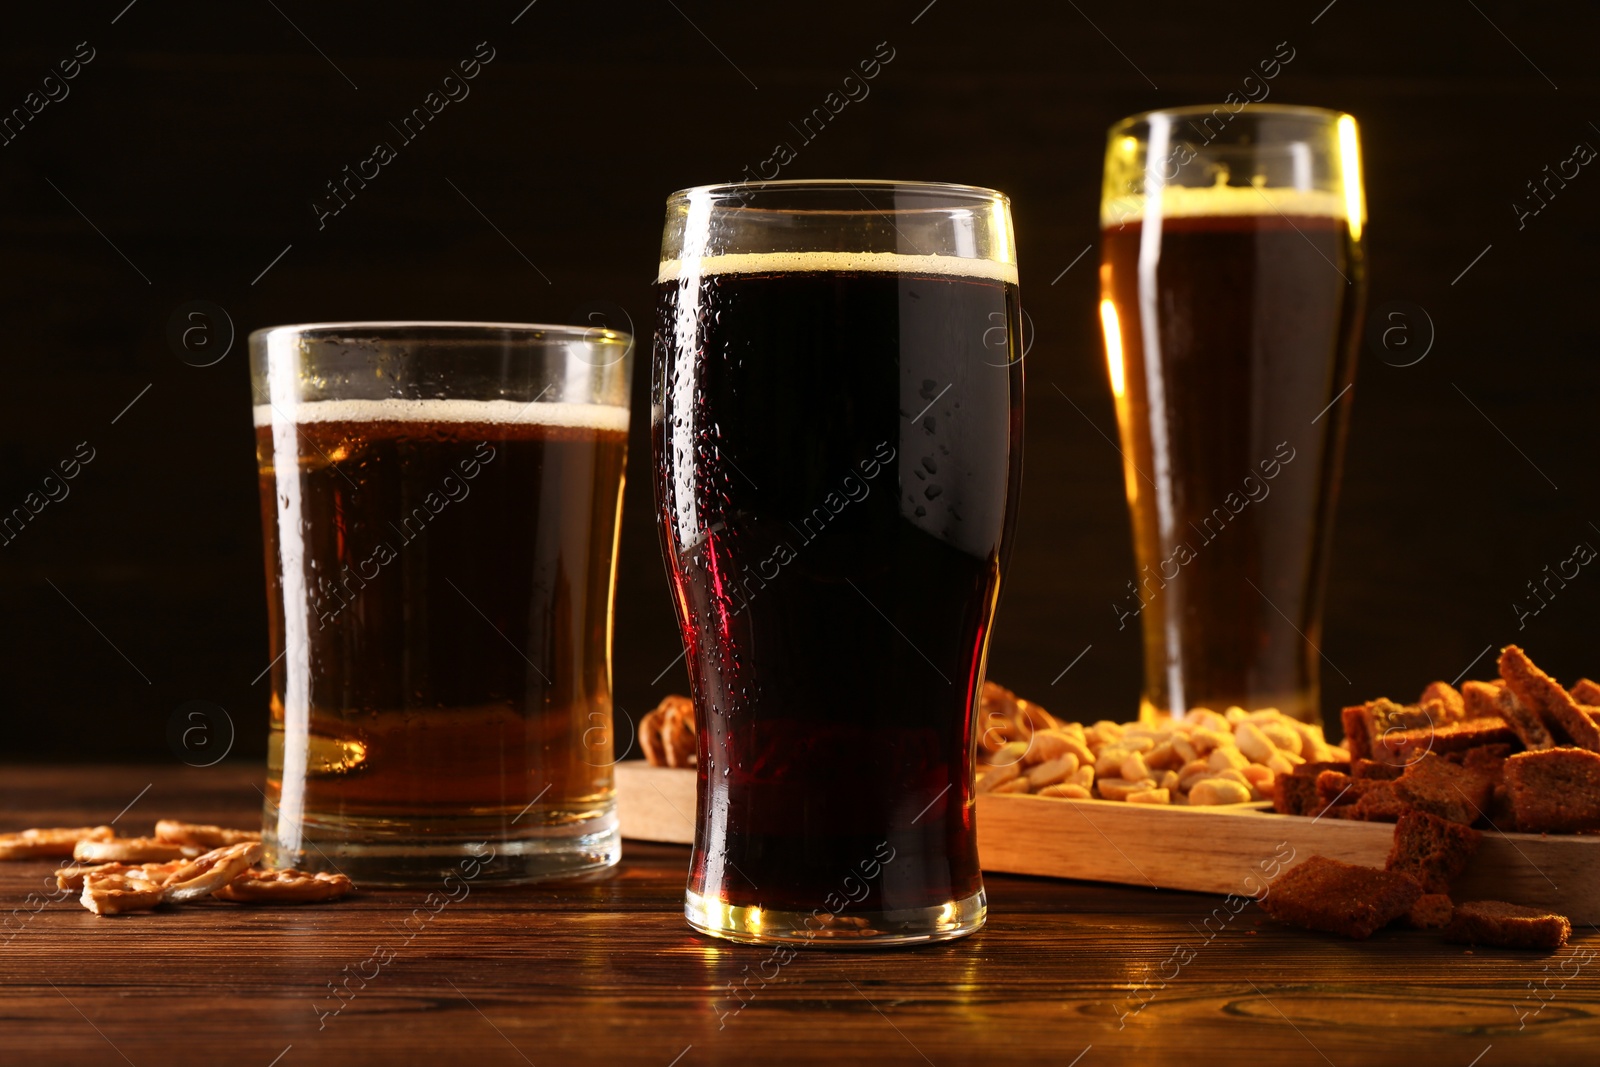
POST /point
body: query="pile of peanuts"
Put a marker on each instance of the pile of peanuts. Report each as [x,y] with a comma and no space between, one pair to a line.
[1202,759]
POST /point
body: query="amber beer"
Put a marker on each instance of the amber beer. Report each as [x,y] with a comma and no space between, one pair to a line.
[836,442]
[1231,314]
[439,576]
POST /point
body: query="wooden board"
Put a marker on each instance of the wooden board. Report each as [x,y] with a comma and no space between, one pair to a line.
[1208,850]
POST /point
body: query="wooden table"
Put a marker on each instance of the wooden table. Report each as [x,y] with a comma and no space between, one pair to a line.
[604,971]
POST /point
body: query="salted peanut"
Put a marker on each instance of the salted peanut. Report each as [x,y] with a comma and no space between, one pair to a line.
[1194,768]
[1284,762]
[1083,778]
[1011,752]
[1066,791]
[1014,785]
[288,886]
[49,843]
[205,836]
[1168,781]
[995,777]
[1282,736]
[1206,719]
[1223,758]
[1185,750]
[1213,791]
[1233,774]
[1103,733]
[1119,788]
[1079,748]
[1253,744]
[1163,757]
[1149,796]
[1338,754]
[1045,745]
[1187,780]
[132,850]
[1207,740]
[1133,768]
[1108,764]
[1051,771]
[1261,778]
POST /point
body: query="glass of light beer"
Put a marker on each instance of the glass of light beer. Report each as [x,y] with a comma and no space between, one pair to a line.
[1232,280]
[836,421]
[440,506]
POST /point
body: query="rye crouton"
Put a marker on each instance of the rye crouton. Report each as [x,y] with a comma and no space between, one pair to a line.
[1432,911]
[1544,695]
[1340,898]
[1437,786]
[1432,850]
[1554,791]
[1494,922]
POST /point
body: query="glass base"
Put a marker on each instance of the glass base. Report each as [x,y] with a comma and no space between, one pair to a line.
[853,929]
[422,852]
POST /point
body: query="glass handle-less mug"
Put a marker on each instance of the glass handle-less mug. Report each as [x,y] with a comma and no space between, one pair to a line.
[440,505]
[836,419]
[1232,280]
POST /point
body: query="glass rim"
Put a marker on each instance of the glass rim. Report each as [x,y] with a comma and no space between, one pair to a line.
[953,190]
[1308,111]
[532,331]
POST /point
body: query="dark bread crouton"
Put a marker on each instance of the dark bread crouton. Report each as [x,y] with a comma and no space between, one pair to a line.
[1340,898]
[1494,922]
[1439,787]
[1432,850]
[1432,911]
[1554,791]
[1545,697]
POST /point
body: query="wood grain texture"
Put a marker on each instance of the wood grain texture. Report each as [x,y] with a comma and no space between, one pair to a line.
[1205,850]
[604,971]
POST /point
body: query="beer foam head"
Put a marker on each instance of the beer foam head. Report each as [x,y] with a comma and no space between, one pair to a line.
[1189,201]
[846,262]
[488,412]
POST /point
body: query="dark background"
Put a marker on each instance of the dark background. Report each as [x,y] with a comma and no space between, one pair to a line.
[189,151]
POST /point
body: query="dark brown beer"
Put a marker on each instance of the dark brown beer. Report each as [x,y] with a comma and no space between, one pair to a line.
[439,582]
[836,469]
[1237,338]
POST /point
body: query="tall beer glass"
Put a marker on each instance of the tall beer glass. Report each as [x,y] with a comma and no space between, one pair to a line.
[836,420]
[440,505]
[1231,281]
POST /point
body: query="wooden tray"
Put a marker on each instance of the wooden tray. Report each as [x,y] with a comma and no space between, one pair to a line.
[1208,850]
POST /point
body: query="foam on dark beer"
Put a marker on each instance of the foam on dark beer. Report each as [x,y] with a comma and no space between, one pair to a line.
[485,412]
[843,262]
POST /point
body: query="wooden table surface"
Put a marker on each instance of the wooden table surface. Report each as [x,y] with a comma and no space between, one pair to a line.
[605,971]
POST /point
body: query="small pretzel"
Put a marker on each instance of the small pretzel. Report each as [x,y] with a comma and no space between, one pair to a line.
[131,850]
[288,886]
[55,843]
[115,892]
[668,733]
[206,874]
[190,833]
[159,873]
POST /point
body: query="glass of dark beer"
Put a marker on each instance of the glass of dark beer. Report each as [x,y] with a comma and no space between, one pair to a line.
[1232,279]
[440,506]
[837,421]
